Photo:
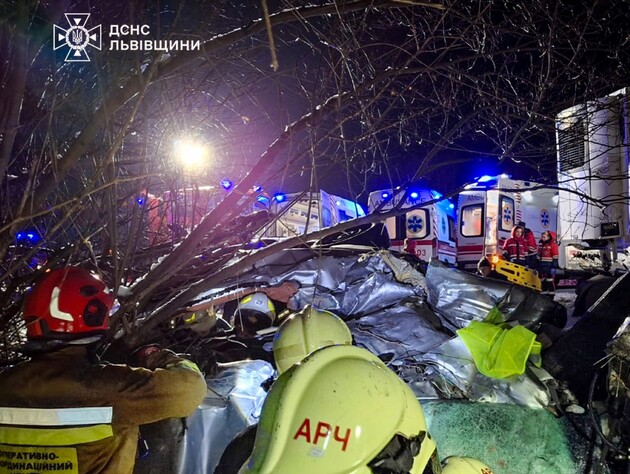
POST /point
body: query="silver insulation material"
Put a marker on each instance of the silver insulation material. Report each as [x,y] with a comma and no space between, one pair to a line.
[384,302]
[460,297]
[234,401]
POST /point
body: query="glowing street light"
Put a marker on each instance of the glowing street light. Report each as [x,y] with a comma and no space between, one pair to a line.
[191,154]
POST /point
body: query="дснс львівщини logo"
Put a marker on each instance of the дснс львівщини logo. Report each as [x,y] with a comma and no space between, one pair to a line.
[77,37]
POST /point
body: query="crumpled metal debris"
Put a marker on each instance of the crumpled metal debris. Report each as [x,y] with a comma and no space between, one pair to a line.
[382,299]
[460,297]
[234,401]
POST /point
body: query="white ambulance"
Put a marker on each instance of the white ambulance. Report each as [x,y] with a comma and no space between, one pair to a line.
[430,228]
[310,212]
[593,174]
[488,210]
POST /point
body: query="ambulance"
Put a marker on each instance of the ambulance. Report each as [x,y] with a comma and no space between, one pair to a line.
[489,208]
[302,213]
[430,228]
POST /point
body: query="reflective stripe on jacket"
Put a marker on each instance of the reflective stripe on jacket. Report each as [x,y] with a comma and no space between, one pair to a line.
[548,251]
[59,409]
[516,249]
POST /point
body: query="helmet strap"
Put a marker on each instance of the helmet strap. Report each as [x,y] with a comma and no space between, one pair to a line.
[398,456]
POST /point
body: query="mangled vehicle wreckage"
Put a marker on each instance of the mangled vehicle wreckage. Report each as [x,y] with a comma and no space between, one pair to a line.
[457,340]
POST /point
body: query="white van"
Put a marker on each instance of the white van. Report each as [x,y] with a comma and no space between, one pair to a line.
[431,227]
[488,210]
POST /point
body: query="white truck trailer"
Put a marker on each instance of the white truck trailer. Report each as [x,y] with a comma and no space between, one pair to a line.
[593,176]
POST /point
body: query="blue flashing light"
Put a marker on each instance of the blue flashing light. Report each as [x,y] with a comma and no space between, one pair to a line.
[263,200]
[414,195]
[27,236]
[485,178]
[435,194]
[451,206]
[226,184]
[140,201]
[384,195]
[257,188]
[279,197]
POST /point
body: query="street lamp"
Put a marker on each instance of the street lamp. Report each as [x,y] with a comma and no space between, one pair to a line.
[191,154]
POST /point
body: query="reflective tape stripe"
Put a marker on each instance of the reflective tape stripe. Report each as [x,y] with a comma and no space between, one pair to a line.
[54,437]
[55,416]
[186,364]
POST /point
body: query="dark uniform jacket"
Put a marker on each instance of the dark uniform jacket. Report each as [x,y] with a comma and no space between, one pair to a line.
[61,413]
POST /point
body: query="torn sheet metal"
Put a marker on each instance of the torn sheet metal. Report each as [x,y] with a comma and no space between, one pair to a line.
[460,297]
[369,286]
[451,368]
[400,334]
[382,299]
[349,282]
[234,401]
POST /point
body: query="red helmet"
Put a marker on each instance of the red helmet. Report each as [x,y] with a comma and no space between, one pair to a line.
[67,304]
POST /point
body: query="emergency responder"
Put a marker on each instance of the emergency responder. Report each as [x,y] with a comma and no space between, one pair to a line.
[516,249]
[486,270]
[300,335]
[253,313]
[409,246]
[61,410]
[548,254]
[531,259]
[343,410]
[305,332]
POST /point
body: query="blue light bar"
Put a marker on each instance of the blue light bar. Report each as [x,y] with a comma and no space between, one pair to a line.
[226,184]
[263,200]
[485,178]
[414,195]
[279,197]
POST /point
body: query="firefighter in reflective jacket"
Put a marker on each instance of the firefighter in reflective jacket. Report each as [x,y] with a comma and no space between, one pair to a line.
[60,411]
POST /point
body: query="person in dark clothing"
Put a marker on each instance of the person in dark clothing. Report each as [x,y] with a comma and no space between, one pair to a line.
[531,259]
[485,269]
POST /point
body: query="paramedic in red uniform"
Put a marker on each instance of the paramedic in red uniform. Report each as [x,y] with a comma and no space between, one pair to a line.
[548,254]
[63,411]
[516,249]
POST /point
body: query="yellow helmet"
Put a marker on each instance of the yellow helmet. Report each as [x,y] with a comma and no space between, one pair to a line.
[457,465]
[341,411]
[305,332]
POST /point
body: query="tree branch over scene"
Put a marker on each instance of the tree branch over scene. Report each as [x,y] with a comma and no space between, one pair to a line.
[362,95]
